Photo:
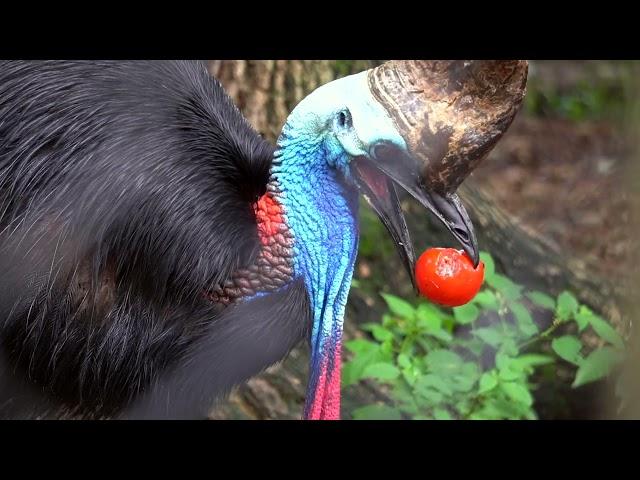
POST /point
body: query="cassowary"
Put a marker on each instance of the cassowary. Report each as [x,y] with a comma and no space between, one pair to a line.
[156,251]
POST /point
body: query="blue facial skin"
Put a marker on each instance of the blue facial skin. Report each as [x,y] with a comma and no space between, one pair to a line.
[311,169]
[321,211]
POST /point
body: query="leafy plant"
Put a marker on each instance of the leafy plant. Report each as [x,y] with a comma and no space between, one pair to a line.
[475,361]
[584,101]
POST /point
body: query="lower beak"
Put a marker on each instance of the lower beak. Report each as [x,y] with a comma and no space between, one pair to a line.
[378,186]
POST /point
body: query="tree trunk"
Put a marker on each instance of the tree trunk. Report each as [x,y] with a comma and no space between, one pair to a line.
[266,91]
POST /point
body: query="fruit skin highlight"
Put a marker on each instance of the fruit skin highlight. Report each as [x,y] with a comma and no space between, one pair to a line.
[446,276]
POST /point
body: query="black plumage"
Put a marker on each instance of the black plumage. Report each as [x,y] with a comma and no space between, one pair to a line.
[126,192]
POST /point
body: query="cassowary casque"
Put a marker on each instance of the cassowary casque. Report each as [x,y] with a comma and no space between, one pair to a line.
[156,251]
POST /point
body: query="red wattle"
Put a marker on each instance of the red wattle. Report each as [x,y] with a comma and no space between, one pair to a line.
[326,398]
[268,216]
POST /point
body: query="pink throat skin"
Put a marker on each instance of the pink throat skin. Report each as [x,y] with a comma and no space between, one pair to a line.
[326,399]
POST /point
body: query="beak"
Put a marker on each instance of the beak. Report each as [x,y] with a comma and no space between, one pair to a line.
[380,193]
[378,176]
[449,114]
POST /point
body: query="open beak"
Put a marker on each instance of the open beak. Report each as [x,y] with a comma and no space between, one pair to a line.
[450,114]
[379,189]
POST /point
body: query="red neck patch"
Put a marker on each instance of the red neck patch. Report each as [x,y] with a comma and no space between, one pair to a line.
[269,215]
[273,267]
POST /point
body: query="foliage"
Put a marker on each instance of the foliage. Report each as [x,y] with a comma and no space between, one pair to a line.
[476,361]
[584,101]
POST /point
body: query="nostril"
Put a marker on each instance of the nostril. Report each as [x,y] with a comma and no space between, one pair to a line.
[462,234]
[342,119]
[380,150]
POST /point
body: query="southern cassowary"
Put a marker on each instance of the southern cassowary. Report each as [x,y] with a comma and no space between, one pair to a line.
[155,251]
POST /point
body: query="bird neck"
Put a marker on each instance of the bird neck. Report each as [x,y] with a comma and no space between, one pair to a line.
[321,212]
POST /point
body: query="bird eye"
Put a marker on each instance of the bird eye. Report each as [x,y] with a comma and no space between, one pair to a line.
[344,119]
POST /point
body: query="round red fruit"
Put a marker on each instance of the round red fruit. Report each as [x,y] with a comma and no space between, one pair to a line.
[446,276]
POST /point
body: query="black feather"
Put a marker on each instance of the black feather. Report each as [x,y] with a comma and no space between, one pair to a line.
[126,190]
[245,339]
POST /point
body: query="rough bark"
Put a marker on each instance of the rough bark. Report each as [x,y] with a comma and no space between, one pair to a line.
[266,91]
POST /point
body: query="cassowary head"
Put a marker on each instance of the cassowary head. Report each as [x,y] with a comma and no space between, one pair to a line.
[418,125]
[422,126]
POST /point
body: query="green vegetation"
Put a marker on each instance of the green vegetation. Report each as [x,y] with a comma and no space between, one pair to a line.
[476,361]
[583,101]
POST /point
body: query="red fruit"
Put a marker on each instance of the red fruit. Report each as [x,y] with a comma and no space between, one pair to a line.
[446,276]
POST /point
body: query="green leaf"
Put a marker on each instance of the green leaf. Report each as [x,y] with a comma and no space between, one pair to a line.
[488,381]
[606,332]
[510,373]
[410,375]
[505,286]
[489,265]
[509,347]
[443,361]
[431,324]
[473,345]
[542,300]
[487,300]
[398,306]
[381,371]
[489,335]
[380,333]
[360,346]
[517,392]
[597,366]
[503,361]
[366,353]
[426,311]
[402,393]
[568,348]
[441,335]
[433,381]
[386,350]
[347,376]
[388,321]
[376,412]
[463,383]
[429,321]
[583,318]
[567,306]
[466,314]
[404,361]
[530,360]
[524,319]
[471,370]
[441,414]
[433,397]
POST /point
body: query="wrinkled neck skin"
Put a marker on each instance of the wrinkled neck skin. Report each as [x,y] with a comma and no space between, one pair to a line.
[320,208]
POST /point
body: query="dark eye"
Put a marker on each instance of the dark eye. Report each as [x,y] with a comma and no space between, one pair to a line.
[344,119]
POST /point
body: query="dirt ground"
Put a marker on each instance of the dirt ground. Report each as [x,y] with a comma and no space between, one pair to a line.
[565,180]
[568,179]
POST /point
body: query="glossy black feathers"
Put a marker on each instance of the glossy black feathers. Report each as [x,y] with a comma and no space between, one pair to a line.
[126,191]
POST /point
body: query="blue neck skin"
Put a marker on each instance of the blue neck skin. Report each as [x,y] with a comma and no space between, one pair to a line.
[321,211]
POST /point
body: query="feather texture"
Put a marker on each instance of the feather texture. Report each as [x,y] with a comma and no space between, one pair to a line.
[126,190]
